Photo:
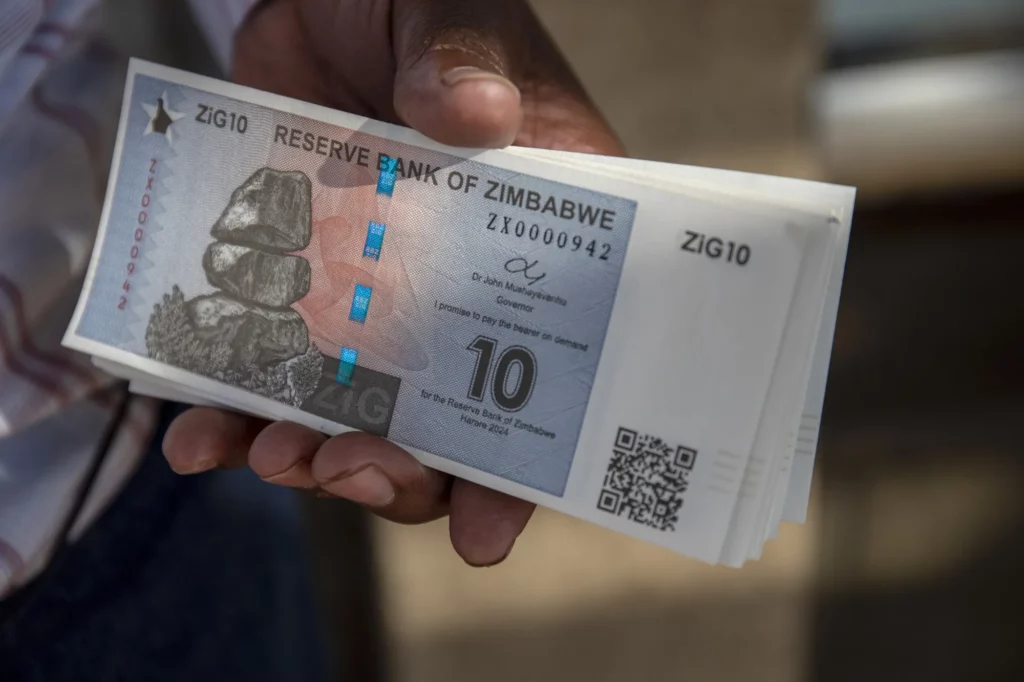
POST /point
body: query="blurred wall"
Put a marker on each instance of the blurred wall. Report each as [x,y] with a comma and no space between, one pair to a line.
[707,82]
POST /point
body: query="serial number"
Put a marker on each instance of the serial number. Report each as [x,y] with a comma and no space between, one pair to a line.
[219,118]
[548,236]
[715,248]
[139,235]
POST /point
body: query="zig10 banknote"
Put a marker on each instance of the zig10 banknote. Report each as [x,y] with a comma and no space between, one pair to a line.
[640,345]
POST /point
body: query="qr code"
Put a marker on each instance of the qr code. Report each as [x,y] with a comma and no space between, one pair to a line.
[646,479]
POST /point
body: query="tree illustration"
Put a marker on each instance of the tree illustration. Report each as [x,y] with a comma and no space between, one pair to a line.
[171,338]
[303,374]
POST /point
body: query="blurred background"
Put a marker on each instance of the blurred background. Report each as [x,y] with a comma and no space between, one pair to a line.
[909,566]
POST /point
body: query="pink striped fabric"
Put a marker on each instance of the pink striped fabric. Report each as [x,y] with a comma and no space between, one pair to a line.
[18,20]
[60,92]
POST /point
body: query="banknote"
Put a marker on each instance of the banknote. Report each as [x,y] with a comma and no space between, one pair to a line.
[777,479]
[618,344]
[837,201]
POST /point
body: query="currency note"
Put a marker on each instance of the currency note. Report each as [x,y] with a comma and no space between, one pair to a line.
[587,343]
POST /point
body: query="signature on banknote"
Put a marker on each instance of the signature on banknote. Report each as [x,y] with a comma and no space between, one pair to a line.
[521,266]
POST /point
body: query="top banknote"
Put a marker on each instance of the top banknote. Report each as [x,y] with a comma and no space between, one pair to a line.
[509,320]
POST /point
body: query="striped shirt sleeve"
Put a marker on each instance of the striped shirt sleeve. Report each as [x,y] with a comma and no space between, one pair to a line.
[18,20]
[218,20]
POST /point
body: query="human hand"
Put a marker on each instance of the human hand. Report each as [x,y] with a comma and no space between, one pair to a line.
[468,73]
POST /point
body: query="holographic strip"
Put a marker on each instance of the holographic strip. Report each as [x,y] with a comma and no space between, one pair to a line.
[374,240]
[360,303]
[346,365]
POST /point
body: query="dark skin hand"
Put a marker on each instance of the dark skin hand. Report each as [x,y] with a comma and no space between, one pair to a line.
[468,73]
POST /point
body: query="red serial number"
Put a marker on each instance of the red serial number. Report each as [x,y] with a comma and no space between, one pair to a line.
[140,234]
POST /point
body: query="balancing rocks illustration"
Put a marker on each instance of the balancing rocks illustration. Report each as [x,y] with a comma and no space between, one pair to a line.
[246,333]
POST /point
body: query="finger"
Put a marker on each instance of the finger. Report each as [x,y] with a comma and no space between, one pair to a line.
[454,80]
[382,476]
[485,523]
[466,71]
[283,453]
[204,438]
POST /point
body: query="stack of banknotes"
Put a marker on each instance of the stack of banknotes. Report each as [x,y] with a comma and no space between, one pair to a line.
[641,345]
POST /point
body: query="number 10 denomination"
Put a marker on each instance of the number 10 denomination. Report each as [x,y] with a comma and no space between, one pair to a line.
[508,398]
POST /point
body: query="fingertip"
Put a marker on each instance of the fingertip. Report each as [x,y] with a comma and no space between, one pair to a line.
[344,454]
[481,104]
[282,454]
[368,486]
[380,475]
[484,524]
[463,106]
[187,445]
[203,438]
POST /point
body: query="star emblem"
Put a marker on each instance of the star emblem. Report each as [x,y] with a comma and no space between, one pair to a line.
[161,117]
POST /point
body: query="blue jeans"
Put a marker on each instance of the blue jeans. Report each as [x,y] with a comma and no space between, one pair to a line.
[183,578]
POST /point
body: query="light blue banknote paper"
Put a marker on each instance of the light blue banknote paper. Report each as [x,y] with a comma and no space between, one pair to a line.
[449,305]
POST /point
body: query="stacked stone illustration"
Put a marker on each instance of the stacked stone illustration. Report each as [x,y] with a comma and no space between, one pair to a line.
[268,216]
[246,333]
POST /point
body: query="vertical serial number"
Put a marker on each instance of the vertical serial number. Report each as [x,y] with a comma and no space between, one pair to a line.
[139,235]
[219,118]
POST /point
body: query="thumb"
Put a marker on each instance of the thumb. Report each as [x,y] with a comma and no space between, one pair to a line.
[455,59]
